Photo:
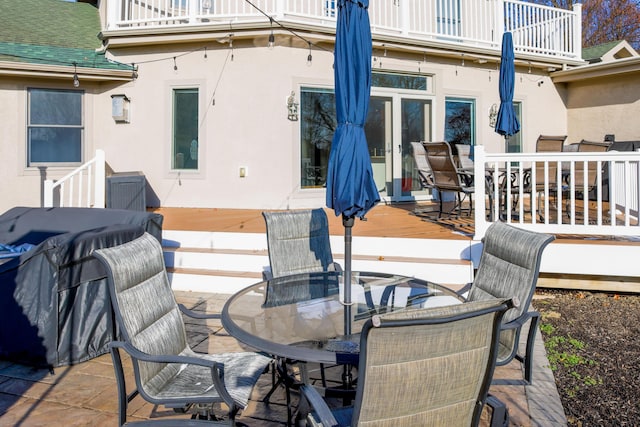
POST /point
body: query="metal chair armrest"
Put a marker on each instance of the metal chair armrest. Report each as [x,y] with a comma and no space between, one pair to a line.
[196,315]
[319,406]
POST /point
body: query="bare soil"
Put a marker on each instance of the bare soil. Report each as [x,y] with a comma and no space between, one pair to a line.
[593,345]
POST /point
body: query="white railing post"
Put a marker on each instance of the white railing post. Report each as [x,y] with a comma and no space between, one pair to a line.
[48,193]
[577,30]
[100,180]
[403,16]
[479,164]
[499,27]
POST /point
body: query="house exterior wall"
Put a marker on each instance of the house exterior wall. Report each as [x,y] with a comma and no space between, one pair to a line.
[606,105]
[243,120]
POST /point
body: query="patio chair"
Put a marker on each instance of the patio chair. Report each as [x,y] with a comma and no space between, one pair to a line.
[424,172]
[447,177]
[464,157]
[298,242]
[166,370]
[509,268]
[584,181]
[422,165]
[545,144]
[423,367]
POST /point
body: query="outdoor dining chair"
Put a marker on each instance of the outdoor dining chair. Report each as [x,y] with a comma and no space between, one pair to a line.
[585,180]
[423,367]
[447,177]
[298,242]
[166,370]
[545,144]
[464,157]
[509,268]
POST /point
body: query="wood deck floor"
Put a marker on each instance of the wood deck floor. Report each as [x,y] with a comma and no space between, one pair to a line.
[397,220]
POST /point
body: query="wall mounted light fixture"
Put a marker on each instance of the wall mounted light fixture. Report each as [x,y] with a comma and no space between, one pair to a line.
[120,108]
[292,107]
[493,115]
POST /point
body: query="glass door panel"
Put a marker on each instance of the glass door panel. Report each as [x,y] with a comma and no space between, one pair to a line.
[378,129]
[416,126]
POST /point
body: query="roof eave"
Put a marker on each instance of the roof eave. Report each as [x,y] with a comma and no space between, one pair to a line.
[597,70]
[24,69]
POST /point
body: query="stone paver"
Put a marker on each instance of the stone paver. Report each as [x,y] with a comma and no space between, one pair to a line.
[85,394]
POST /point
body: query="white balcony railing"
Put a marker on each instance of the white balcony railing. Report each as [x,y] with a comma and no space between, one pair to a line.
[82,187]
[609,208]
[538,30]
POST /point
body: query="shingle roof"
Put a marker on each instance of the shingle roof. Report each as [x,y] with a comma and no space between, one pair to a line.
[52,32]
[596,52]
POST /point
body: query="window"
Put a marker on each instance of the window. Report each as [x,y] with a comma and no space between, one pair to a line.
[399,81]
[317,125]
[460,122]
[514,142]
[185,129]
[55,129]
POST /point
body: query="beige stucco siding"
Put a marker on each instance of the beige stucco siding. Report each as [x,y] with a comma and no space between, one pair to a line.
[610,105]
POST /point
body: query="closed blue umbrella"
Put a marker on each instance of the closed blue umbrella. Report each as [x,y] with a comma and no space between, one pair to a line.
[506,122]
[351,189]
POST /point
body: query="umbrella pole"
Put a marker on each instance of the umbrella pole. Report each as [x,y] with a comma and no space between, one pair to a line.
[348,226]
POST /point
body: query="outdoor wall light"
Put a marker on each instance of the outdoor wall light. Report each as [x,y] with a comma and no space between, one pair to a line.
[493,115]
[292,107]
[120,108]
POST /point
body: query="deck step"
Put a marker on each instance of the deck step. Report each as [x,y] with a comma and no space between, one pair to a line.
[227,262]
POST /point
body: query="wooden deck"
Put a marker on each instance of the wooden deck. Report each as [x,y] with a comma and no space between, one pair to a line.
[400,221]
[397,220]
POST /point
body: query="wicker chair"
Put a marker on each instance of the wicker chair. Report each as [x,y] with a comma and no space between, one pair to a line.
[424,367]
[509,267]
[167,371]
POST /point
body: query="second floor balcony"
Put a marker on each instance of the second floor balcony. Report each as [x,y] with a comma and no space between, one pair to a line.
[539,32]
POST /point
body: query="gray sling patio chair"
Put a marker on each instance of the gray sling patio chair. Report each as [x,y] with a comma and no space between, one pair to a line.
[423,367]
[509,268]
[166,370]
[447,177]
[298,242]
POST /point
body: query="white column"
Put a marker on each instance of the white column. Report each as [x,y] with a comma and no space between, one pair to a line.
[577,30]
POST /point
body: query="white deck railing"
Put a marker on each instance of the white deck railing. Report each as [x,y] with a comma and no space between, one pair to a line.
[538,30]
[612,208]
[82,187]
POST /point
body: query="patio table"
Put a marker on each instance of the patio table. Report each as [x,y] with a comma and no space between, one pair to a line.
[301,317]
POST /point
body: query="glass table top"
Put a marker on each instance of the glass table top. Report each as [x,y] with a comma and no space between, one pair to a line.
[303,316]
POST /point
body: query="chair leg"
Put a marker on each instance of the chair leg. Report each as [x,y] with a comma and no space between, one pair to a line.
[499,412]
[528,358]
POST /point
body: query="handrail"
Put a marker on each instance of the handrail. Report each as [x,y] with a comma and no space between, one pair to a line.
[90,193]
[538,29]
[555,208]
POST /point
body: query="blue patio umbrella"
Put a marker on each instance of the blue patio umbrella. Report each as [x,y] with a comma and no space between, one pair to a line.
[506,122]
[351,189]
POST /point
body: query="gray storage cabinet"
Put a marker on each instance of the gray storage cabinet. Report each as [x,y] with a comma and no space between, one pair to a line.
[127,190]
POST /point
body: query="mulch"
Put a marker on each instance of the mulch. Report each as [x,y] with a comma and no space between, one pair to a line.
[596,361]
